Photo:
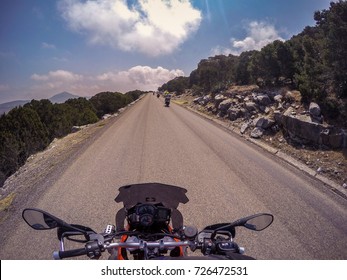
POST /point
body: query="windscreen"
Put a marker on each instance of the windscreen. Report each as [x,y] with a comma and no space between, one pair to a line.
[170,196]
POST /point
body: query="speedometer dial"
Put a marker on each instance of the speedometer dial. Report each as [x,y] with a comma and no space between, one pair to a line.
[146,220]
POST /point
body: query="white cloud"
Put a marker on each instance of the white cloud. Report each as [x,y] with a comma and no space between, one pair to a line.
[54,82]
[152,27]
[45,45]
[57,76]
[138,77]
[259,34]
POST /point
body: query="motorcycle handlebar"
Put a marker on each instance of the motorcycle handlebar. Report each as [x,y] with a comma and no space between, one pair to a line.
[59,255]
[141,245]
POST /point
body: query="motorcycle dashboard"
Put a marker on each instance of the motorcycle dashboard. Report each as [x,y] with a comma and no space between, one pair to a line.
[145,209]
[147,214]
[160,214]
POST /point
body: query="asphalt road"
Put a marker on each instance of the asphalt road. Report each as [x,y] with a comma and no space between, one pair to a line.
[226,177]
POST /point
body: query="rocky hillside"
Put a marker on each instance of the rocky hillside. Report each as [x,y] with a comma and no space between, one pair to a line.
[266,112]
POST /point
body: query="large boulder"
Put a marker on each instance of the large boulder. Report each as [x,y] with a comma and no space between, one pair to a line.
[263,99]
[251,106]
[278,98]
[315,113]
[302,129]
[278,116]
[257,132]
[198,99]
[264,123]
[225,105]
[314,109]
[301,126]
[338,140]
[219,98]
[210,108]
[244,128]
[205,100]
[234,113]
[334,138]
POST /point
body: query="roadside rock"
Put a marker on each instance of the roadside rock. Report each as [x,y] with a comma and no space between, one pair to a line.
[263,122]
[244,128]
[75,129]
[257,132]
[315,113]
[314,109]
[198,99]
[205,100]
[300,126]
[334,138]
[209,108]
[218,99]
[278,98]
[251,106]
[225,105]
[234,113]
[276,110]
[263,99]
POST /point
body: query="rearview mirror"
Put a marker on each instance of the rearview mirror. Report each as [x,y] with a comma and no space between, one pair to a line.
[40,220]
[258,222]
[255,222]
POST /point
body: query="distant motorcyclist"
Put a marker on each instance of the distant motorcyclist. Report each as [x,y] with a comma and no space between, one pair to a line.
[167,98]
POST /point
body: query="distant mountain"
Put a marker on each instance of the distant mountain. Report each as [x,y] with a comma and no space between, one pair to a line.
[58,98]
[62,97]
[8,106]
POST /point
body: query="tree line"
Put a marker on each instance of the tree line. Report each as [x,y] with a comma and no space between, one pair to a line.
[313,62]
[28,129]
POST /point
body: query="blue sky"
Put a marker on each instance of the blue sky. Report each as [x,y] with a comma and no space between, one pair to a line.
[89,46]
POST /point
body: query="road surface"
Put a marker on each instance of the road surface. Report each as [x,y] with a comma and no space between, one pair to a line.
[226,177]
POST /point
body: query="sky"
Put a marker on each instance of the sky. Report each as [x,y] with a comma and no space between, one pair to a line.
[89,46]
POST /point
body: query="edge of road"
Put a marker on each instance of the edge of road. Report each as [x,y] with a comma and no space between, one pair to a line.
[331,185]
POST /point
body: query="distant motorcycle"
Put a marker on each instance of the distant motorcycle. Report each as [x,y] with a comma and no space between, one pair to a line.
[149,226]
[167,100]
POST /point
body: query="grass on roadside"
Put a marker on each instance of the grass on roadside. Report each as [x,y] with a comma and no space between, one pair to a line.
[6,202]
[180,102]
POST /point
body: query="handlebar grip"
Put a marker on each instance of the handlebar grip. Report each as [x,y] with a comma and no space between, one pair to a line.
[59,255]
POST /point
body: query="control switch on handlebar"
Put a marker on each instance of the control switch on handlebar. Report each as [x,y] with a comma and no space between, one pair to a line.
[94,250]
[226,246]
